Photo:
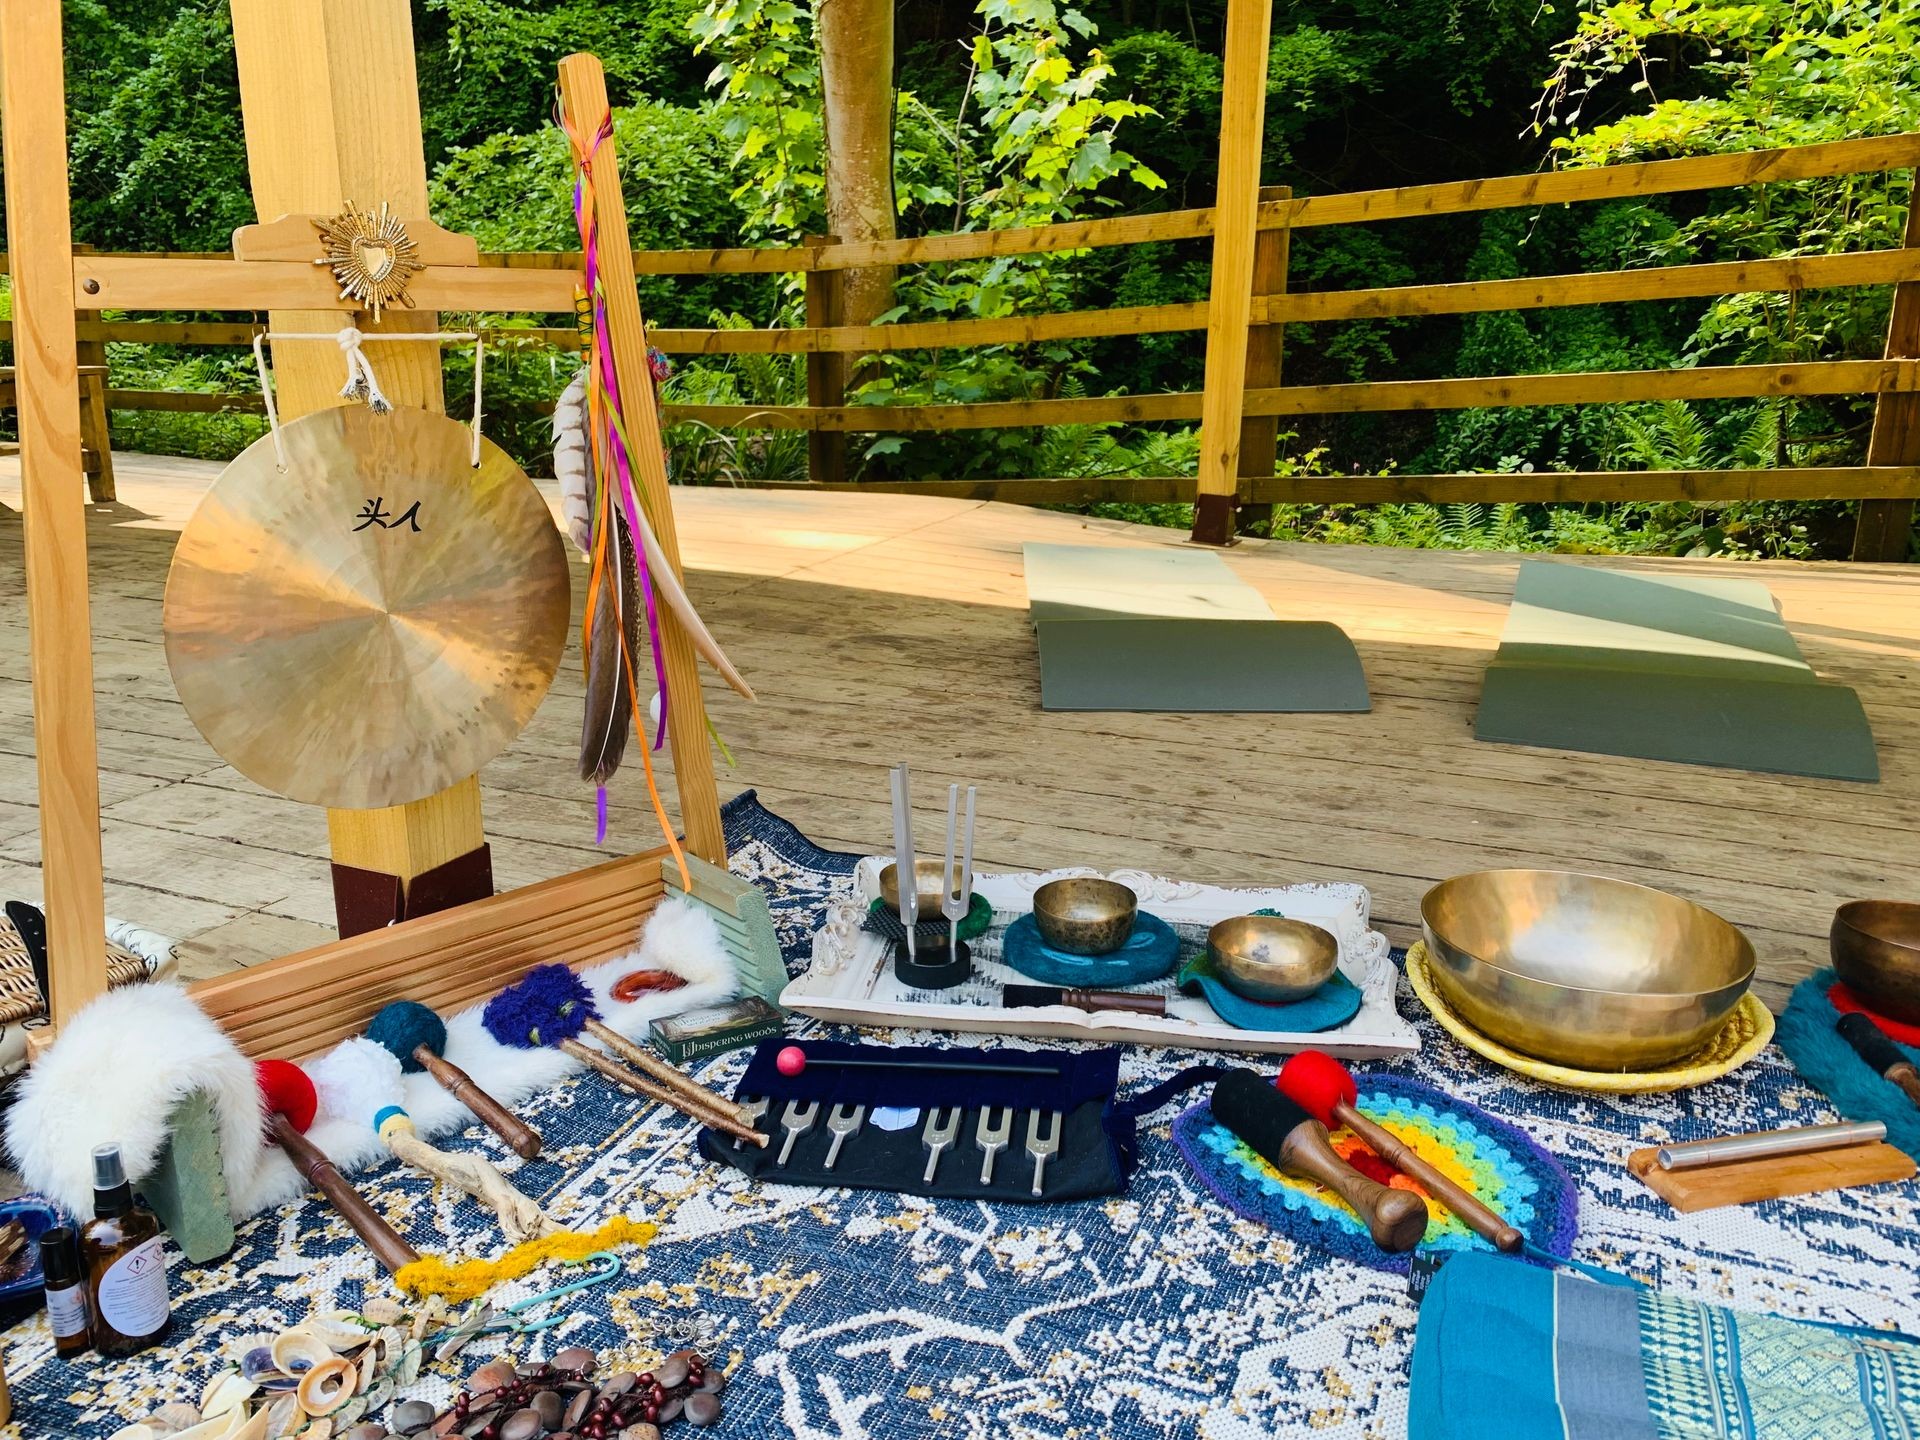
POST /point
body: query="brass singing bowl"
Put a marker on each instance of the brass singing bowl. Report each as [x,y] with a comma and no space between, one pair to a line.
[1876,949]
[929,882]
[1085,915]
[1272,959]
[1582,970]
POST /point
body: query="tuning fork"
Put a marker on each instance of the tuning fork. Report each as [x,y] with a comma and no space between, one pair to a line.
[1042,1147]
[992,1138]
[842,1121]
[797,1122]
[956,896]
[750,1112]
[938,1138]
[906,881]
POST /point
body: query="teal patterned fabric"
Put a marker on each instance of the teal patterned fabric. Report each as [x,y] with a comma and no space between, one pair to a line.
[1714,1373]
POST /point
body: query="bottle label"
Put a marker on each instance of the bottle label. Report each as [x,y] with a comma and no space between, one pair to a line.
[132,1299]
[67,1310]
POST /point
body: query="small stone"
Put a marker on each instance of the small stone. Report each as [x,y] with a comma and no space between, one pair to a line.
[521,1425]
[575,1357]
[671,1371]
[671,1410]
[618,1384]
[577,1408]
[703,1408]
[366,1430]
[548,1404]
[491,1376]
[411,1415]
[641,1431]
[713,1382]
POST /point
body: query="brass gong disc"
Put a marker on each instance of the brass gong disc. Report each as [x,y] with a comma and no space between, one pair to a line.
[373,623]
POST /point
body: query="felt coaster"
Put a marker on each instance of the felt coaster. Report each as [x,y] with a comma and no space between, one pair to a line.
[1490,1158]
[1847,1003]
[1828,1063]
[1149,954]
[883,919]
[1334,1003]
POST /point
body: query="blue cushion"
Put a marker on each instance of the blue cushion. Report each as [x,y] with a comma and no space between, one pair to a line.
[1334,1003]
[1149,954]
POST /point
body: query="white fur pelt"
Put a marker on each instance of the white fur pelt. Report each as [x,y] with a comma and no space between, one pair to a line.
[121,1064]
[114,1077]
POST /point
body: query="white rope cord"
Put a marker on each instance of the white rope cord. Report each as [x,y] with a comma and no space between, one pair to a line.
[362,383]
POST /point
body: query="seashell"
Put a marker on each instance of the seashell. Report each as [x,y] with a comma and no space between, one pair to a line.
[349,1413]
[337,1331]
[246,1427]
[408,1370]
[318,1430]
[328,1386]
[171,1417]
[297,1352]
[379,1395]
[283,1415]
[383,1310]
[225,1392]
[258,1365]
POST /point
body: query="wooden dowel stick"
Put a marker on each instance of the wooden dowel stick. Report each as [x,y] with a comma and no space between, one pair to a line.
[521,1137]
[1475,1215]
[318,1171]
[647,1063]
[698,1109]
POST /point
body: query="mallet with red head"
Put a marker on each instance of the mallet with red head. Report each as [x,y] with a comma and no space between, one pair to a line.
[1325,1089]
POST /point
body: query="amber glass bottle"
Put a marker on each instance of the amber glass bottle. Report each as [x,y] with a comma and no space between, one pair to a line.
[126,1263]
[66,1284]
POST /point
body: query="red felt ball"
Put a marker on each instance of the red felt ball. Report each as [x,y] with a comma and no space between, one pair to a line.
[286,1090]
[1317,1082]
[790,1061]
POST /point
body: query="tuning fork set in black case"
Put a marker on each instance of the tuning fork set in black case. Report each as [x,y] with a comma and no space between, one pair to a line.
[1011,1125]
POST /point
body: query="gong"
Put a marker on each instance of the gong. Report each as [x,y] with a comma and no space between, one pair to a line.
[374,622]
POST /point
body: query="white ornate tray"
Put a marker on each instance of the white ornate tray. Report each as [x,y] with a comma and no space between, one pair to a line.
[851,978]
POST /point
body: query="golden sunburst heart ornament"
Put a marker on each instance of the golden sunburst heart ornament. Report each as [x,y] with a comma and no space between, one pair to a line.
[372,256]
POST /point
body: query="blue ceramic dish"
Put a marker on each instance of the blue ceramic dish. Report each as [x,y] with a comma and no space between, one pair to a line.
[36,1217]
[1150,953]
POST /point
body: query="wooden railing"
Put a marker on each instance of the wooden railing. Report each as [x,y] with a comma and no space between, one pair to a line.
[1887,484]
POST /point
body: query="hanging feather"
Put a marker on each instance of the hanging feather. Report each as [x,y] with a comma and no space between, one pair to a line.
[573,461]
[613,638]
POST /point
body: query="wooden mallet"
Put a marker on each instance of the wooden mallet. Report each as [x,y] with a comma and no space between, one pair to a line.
[1288,1138]
[417,1038]
[290,1102]
[1326,1090]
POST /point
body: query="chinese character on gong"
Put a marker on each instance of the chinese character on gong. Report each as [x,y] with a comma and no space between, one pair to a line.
[374,513]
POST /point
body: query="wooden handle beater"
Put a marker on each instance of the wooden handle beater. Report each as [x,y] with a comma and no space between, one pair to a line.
[1326,1090]
[291,1104]
[648,1063]
[417,1038]
[709,1115]
[1287,1137]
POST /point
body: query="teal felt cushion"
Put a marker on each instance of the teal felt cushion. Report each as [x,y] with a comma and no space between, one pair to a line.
[1334,1003]
[1149,954]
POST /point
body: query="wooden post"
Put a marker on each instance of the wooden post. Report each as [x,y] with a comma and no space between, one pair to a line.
[826,372]
[1260,434]
[583,99]
[95,438]
[33,126]
[1236,204]
[332,111]
[1884,530]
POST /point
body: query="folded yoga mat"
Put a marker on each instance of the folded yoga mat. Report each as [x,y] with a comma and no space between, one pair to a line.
[1700,671]
[1176,630]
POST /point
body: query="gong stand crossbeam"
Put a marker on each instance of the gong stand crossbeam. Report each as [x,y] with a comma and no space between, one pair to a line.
[146,282]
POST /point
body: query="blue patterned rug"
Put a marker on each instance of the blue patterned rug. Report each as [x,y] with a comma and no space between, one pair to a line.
[844,1315]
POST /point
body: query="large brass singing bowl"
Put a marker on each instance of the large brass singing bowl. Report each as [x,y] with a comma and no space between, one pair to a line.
[342,647]
[1582,970]
[1271,959]
[1876,949]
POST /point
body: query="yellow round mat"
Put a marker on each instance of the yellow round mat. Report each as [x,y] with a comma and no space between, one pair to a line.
[1744,1036]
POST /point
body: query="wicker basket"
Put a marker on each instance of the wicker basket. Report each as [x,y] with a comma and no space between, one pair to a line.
[20,997]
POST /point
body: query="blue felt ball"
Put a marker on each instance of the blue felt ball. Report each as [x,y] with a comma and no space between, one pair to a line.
[549,1004]
[404,1027]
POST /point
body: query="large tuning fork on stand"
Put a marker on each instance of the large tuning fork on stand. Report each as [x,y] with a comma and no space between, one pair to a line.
[956,893]
[903,858]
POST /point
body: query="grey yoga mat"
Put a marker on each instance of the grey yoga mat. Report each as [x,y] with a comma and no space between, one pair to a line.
[1176,630]
[1700,671]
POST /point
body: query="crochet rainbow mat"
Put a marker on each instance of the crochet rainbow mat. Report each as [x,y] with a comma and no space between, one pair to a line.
[1492,1159]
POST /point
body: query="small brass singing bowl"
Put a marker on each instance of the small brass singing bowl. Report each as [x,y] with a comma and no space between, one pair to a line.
[1085,915]
[1876,950]
[1272,959]
[930,878]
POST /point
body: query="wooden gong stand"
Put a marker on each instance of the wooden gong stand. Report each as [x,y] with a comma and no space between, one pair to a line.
[331,107]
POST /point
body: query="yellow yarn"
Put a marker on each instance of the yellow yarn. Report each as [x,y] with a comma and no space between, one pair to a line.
[457,1280]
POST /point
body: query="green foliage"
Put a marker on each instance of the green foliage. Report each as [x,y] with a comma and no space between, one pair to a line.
[767,75]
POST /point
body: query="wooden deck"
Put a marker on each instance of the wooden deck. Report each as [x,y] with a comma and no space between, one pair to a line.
[884,628]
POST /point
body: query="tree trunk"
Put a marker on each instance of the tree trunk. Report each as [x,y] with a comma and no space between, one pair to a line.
[856,93]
